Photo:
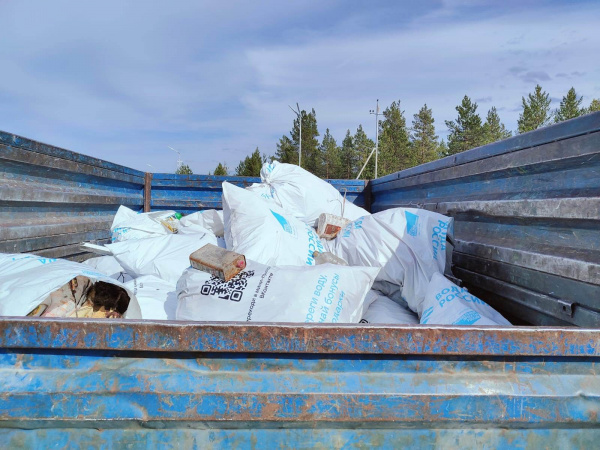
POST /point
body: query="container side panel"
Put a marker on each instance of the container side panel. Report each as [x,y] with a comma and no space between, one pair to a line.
[527,219]
[52,199]
[308,437]
[178,336]
[190,193]
[294,392]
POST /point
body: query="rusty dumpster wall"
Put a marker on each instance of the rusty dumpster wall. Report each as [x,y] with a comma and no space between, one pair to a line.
[52,199]
[527,219]
[231,385]
[189,193]
[136,384]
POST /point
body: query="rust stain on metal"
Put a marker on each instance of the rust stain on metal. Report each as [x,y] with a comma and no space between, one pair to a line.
[137,335]
[147,191]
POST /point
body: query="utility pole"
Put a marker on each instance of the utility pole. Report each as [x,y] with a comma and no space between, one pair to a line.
[299,114]
[376,113]
[179,161]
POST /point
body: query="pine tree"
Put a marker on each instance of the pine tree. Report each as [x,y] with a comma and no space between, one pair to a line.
[594,106]
[466,132]
[348,157]
[184,169]
[332,164]
[424,141]
[363,147]
[394,147]
[570,107]
[536,111]
[221,170]
[286,152]
[251,165]
[493,129]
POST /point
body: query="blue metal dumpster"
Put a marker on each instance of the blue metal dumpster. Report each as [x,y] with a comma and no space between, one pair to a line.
[527,240]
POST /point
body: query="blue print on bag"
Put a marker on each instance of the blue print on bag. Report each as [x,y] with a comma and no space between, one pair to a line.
[270,195]
[468,318]
[118,233]
[39,259]
[438,238]
[287,227]
[426,314]
[412,223]
[356,225]
[314,245]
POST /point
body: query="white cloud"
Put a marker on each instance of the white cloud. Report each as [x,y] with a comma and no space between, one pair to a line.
[123,81]
[432,63]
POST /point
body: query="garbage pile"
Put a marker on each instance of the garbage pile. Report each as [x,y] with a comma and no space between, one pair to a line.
[34,286]
[288,249]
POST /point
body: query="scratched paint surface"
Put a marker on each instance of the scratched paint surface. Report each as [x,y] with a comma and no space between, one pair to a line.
[113,398]
[46,386]
[303,438]
[157,336]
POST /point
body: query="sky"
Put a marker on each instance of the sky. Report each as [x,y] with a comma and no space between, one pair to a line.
[124,81]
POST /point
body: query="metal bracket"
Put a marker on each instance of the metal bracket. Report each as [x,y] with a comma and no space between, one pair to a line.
[566,307]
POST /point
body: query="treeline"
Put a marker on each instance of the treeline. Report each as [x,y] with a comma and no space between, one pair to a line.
[403,145]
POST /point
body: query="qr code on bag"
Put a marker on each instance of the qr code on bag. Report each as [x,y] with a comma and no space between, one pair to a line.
[227,290]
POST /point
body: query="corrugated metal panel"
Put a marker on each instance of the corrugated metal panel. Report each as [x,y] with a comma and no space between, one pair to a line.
[269,391]
[51,199]
[527,219]
[332,438]
[346,385]
[354,190]
[189,193]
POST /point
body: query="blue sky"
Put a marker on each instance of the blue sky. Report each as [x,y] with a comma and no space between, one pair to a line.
[123,80]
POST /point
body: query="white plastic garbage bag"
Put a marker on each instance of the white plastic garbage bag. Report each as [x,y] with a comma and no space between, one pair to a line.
[301,193]
[326,293]
[27,281]
[264,232]
[108,265]
[165,257]
[157,297]
[384,310]
[128,224]
[409,244]
[447,304]
[211,220]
